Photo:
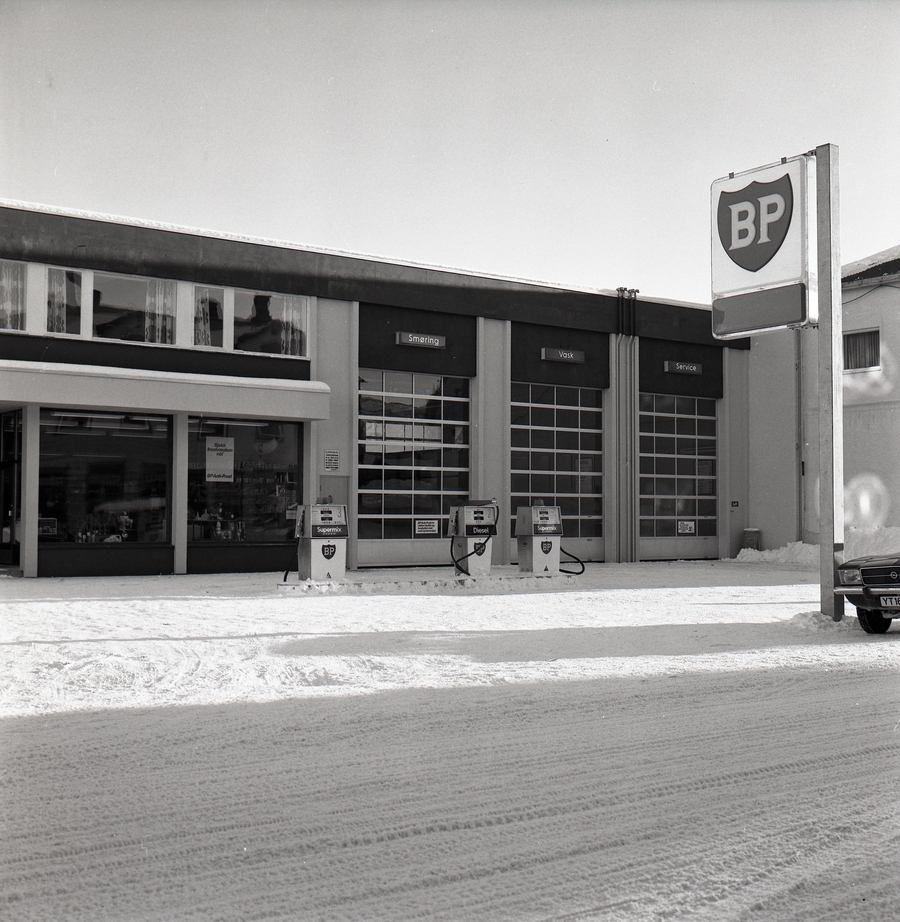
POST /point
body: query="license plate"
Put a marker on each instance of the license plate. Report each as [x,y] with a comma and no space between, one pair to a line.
[890,601]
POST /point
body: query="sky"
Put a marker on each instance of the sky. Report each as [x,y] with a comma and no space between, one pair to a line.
[565,141]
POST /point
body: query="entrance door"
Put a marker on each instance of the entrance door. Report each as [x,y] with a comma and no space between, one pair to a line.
[10,486]
[678,478]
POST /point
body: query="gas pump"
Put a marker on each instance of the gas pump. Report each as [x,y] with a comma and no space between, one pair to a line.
[321,533]
[472,528]
[538,534]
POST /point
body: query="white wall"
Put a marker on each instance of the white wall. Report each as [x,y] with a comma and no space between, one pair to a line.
[783,510]
[872,413]
[774,440]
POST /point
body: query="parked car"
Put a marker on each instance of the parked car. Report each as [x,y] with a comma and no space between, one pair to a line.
[872,584]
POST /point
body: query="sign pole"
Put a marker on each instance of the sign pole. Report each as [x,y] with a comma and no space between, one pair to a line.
[831,405]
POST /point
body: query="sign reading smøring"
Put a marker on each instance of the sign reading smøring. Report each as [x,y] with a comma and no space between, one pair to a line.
[426,340]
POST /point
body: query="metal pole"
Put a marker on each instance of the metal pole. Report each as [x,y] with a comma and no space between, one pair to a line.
[831,406]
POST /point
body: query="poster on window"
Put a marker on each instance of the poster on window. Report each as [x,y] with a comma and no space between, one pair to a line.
[219,460]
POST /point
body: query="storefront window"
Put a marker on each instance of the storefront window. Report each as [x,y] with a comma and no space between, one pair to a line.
[104,477]
[63,301]
[12,295]
[243,480]
[134,309]
[208,307]
[270,323]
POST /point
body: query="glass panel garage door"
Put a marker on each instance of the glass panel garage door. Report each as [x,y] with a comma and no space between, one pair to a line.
[413,452]
[678,491]
[557,454]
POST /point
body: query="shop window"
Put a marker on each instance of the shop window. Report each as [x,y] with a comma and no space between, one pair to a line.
[413,452]
[134,309]
[270,323]
[862,350]
[63,301]
[563,427]
[677,466]
[208,316]
[12,295]
[104,477]
[243,480]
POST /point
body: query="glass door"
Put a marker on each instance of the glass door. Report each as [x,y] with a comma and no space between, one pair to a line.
[10,486]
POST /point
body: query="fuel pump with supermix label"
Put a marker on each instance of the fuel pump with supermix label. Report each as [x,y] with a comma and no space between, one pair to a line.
[472,528]
[321,533]
[539,532]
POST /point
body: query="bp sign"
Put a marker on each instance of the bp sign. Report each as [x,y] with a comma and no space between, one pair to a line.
[763,249]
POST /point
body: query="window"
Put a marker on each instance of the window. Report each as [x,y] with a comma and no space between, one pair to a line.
[208,307]
[104,477]
[12,295]
[862,350]
[270,323]
[134,309]
[63,301]
[678,494]
[413,453]
[557,454]
[243,480]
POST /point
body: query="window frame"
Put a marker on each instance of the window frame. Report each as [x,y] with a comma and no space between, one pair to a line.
[847,334]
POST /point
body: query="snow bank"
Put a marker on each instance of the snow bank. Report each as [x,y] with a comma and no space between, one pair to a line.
[858,542]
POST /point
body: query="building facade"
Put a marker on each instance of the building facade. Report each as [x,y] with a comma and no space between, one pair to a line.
[784,413]
[168,398]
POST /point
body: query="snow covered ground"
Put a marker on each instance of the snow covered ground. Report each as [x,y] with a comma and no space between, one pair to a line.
[686,740]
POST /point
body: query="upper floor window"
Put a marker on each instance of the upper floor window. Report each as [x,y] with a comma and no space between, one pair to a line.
[208,316]
[134,309]
[63,301]
[862,350]
[270,323]
[12,295]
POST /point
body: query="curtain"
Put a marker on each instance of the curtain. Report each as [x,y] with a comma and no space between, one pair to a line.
[12,295]
[292,314]
[56,301]
[202,331]
[862,350]
[159,316]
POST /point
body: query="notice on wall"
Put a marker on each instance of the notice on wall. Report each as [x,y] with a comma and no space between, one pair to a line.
[427,527]
[332,459]
[219,460]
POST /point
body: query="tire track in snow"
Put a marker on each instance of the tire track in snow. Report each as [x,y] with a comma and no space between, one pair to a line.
[694,797]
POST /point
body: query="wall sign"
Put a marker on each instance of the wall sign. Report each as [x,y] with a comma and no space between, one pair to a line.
[427,527]
[219,460]
[332,459]
[563,355]
[684,368]
[426,340]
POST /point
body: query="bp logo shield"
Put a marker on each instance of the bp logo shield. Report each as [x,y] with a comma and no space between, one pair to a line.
[754,221]
[546,546]
[328,551]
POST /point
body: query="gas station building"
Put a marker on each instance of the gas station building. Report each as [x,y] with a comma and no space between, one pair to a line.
[169,398]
